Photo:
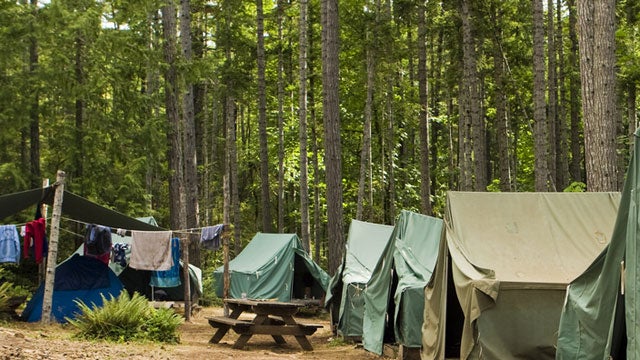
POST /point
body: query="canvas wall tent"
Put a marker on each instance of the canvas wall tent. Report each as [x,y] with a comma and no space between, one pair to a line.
[77,278]
[135,280]
[597,320]
[394,296]
[511,257]
[365,244]
[273,266]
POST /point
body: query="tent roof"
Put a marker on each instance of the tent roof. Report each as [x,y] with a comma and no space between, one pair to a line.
[365,243]
[547,238]
[74,206]
[261,250]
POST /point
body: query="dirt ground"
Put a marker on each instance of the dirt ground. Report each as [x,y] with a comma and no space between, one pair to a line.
[34,341]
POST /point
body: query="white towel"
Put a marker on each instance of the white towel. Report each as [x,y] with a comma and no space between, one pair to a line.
[151,250]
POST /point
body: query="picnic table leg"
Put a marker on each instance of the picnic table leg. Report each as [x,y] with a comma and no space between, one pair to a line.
[277,338]
[222,330]
[243,338]
[302,339]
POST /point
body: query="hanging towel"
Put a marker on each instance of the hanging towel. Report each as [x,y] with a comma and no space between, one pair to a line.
[171,277]
[9,244]
[210,237]
[151,250]
[34,239]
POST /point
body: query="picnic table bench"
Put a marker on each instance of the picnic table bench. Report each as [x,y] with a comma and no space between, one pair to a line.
[271,318]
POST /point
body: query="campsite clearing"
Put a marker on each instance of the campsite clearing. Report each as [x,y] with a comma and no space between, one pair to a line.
[34,341]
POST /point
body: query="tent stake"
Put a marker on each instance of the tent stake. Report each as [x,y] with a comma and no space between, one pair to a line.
[52,256]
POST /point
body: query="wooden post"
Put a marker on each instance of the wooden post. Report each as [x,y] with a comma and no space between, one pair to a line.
[225,276]
[52,256]
[43,211]
[187,279]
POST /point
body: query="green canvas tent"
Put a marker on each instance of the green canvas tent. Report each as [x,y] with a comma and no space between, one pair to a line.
[509,258]
[600,316]
[273,266]
[406,265]
[365,243]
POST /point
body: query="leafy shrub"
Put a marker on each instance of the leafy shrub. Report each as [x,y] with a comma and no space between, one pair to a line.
[126,319]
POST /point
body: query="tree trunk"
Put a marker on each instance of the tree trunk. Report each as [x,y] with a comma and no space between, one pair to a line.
[501,121]
[34,108]
[302,115]
[365,152]
[331,117]
[281,200]
[540,129]
[52,252]
[423,123]
[80,110]
[552,89]
[575,167]
[176,186]
[262,124]
[467,83]
[562,158]
[596,36]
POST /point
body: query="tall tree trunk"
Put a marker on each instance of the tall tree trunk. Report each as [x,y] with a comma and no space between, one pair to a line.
[80,110]
[331,118]
[465,131]
[176,186]
[562,158]
[281,200]
[541,162]
[552,89]
[574,102]
[596,37]
[423,123]
[302,114]
[262,124]
[501,121]
[34,108]
[189,134]
[317,211]
[365,152]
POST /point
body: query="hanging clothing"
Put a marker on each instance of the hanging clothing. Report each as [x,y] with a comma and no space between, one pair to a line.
[171,277]
[97,240]
[9,244]
[119,254]
[151,250]
[211,236]
[34,239]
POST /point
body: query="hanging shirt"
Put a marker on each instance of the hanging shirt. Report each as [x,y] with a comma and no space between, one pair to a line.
[9,244]
[171,277]
[97,240]
[151,250]
[34,239]
[210,237]
[119,254]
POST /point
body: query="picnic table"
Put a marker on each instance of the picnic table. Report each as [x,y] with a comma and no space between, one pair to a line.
[273,318]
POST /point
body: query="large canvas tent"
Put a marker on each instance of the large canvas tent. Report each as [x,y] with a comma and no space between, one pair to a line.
[509,257]
[365,244]
[275,267]
[77,278]
[600,316]
[394,296]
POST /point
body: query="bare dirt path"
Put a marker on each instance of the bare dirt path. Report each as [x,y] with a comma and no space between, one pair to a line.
[35,341]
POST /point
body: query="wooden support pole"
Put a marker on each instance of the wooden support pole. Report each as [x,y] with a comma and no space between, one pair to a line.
[52,257]
[226,277]
[187,279]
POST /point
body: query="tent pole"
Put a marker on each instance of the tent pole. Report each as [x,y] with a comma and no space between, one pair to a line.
[52,256]
[187,279]
[225,275]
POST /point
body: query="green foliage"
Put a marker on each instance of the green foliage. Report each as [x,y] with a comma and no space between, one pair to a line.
[126,319]
[576,186]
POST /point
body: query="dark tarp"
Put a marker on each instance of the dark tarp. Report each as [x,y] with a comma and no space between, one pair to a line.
[74,206]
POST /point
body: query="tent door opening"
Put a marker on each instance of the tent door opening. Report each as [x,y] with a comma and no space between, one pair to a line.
[454,316]
[619,335]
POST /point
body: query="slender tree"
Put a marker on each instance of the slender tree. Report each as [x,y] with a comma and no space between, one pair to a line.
[425,172]
[575,167]
[302,115]
[331,118]
[540,129]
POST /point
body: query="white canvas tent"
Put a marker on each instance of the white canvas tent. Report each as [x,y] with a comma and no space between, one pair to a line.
[509,257]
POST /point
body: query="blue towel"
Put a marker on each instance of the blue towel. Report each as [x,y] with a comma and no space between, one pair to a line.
[171,277]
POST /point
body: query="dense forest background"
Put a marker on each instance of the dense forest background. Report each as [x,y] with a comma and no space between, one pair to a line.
[281,116]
